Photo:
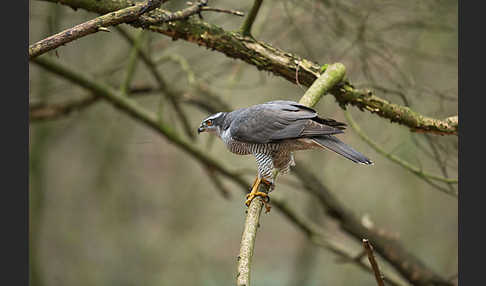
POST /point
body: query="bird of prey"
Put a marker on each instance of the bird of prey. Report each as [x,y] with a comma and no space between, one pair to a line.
[272,131]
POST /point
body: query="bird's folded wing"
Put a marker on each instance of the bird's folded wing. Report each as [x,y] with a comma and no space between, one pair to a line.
[280,120]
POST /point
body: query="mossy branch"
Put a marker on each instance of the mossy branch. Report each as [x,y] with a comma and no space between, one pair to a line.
[265,57]
[331,77]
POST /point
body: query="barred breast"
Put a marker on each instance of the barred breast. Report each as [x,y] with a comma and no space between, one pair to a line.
[234,146]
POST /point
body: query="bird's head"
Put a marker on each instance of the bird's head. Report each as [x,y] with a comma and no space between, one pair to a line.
[212,123]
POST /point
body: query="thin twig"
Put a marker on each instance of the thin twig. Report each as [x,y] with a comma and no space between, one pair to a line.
[92,26]
[371,257]
[227,11]
[183,63]
[195,8]
[43,112]
[171,94]
[213,176]
[207,99]
[132,63]
[415,170]
[245,29]
[297,76]
[438,159]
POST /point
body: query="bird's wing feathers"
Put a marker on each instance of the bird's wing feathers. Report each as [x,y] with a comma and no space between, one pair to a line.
[279,120]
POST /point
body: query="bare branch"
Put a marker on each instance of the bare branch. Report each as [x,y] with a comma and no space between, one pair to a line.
[132,63]
[245,29]
[227,11]
[371,257]
[195,8]
[248,242]
[213,176]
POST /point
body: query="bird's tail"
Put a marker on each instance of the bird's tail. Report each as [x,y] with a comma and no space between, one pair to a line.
[332,143]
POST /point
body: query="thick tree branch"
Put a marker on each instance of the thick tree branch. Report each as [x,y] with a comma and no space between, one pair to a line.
[265,57]
[124,15]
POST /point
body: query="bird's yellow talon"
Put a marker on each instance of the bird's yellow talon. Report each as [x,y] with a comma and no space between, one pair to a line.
[252,195]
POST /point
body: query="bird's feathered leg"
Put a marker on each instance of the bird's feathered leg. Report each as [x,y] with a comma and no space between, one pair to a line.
[265,175]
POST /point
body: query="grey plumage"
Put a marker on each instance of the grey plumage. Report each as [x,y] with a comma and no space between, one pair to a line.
[272,131]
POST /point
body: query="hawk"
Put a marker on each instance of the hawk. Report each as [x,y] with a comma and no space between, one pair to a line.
[272,131]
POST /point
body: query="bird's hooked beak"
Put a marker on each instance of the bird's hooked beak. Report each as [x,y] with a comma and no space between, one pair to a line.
[201,129]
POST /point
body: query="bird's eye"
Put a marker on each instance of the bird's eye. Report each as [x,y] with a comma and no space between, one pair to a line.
[209,122]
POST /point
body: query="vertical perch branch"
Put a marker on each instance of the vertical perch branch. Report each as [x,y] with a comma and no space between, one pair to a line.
[332,76]
[248,241]
[250,18]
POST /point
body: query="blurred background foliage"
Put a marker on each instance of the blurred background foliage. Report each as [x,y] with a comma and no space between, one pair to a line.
[113,203]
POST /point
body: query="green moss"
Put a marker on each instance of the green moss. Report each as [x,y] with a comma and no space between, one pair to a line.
[323,68]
